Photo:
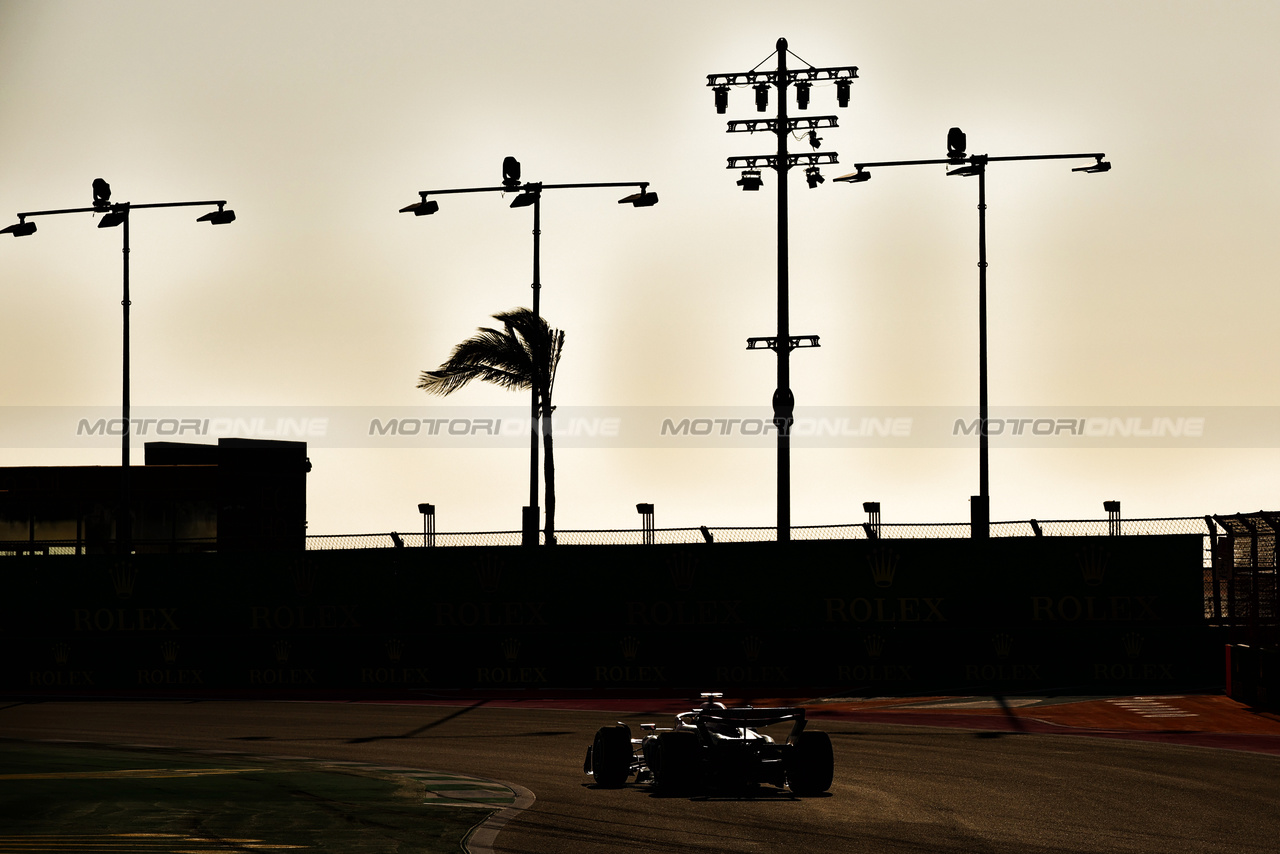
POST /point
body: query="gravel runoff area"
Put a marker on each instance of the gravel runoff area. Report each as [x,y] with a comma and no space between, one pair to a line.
[76,796]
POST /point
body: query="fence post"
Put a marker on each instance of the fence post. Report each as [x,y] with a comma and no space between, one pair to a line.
[646,523]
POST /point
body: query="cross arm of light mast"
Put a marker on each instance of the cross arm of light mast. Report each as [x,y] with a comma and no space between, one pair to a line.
[122,205]
[1096,154]
[530,186]
[793,124]
[974,159]
[794,342]
[794,75]
[770,161]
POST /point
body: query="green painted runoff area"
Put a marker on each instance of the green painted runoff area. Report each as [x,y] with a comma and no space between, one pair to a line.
[84,798]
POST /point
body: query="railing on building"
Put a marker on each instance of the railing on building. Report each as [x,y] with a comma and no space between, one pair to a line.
[1223,530]
[16,548]
[1243,593]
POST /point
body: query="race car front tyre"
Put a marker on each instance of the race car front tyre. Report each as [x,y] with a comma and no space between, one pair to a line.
[677,761]
[611,755]
[810,764]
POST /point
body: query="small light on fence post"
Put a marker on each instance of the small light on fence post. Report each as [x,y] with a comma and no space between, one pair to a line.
[1113,517]
[646,522]
[872,525]
[428,512]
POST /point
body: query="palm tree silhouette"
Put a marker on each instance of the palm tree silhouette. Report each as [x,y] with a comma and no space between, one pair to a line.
[523,354]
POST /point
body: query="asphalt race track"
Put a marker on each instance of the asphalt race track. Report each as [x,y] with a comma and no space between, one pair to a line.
[897,788]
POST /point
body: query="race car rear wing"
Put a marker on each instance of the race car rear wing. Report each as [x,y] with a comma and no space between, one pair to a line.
[755,718]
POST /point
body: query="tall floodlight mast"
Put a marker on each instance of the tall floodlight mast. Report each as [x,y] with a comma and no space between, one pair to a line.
[784,127]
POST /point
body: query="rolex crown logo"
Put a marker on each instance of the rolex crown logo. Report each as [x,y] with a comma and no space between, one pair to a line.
[281,649]
[630,647]
[874,645]
[1093,564]
[1133,644]
[1003,644]
[395,646]
[61,653]
[510,648]
[303,573]
[169,651]
[751,646]
[489,573]
[123,576]
[884,564]
[682,566]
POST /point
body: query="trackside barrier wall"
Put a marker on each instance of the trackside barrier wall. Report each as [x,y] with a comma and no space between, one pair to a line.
[839,616]
[1253,675]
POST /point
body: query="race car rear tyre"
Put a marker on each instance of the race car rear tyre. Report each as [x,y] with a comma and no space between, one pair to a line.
[810,764]
[611,755]
[677,762]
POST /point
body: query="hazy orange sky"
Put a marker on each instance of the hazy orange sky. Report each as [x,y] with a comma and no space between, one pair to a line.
[1154,285]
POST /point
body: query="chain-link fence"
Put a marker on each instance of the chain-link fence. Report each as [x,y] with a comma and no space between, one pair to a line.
[853,531]
[323,542]
[1238,553]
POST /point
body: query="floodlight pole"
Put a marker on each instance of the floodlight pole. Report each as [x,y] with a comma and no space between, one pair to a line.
[976,164]
[535,417]
[122,210]
[980,515]
[784,402]
[783,125]
[529,526]
[124,535]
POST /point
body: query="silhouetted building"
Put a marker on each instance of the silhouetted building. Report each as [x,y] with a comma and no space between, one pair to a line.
[236,496]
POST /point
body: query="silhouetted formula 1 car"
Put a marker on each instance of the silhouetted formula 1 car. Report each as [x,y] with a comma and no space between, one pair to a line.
[715,747]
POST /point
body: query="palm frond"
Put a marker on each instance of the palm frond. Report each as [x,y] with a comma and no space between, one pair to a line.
[523,354]
[526,351]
